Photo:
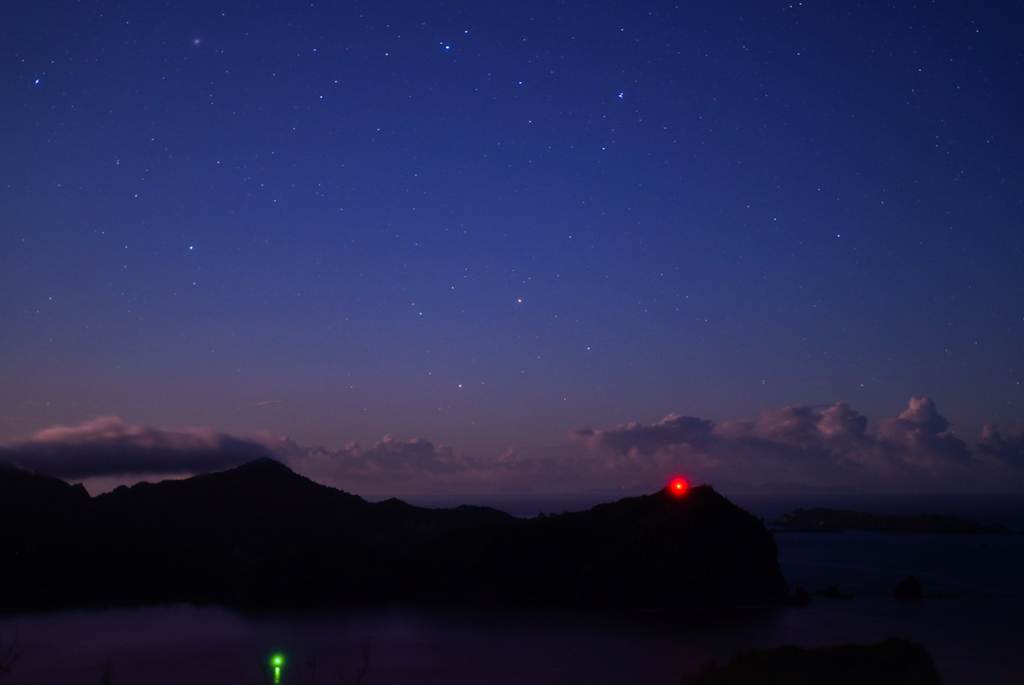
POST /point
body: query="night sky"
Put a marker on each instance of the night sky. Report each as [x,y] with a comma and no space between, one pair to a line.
[540,246]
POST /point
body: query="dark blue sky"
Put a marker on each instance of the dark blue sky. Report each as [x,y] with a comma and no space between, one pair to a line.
[485,224]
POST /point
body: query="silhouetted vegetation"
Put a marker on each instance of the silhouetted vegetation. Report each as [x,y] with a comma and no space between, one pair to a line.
[108,672]
[894,661]
[361,671]
[262,537]
[8,655]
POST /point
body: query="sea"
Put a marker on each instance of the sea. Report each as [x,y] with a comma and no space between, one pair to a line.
[971,621]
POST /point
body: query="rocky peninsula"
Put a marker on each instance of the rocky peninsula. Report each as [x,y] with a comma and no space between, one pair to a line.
[261,537]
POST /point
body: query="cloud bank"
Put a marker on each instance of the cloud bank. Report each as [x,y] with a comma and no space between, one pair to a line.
[107,446]
[823,446]
[818,446]
[390,459]
[826,445]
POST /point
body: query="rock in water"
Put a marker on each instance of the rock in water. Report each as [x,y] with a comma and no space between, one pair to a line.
[832,592]
[895,661]
[909,589]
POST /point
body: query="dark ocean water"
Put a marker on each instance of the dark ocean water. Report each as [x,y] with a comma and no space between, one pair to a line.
[972,623]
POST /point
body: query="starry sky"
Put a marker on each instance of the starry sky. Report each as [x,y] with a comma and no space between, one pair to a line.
[531,245]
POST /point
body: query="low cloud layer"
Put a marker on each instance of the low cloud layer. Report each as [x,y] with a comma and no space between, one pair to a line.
[394,466]
[823,446]
[826,445]
[1010,449]
[390,460]
[107,446]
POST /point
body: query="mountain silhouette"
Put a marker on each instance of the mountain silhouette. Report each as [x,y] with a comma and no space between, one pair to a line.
[263,537]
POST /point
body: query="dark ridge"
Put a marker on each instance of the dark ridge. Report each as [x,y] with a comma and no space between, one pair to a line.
[834,520]
[263,537]
[42,526]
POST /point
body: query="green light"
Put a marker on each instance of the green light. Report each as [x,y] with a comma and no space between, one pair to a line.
[277,661]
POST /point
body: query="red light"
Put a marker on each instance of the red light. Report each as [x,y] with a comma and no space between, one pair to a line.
[678,487]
